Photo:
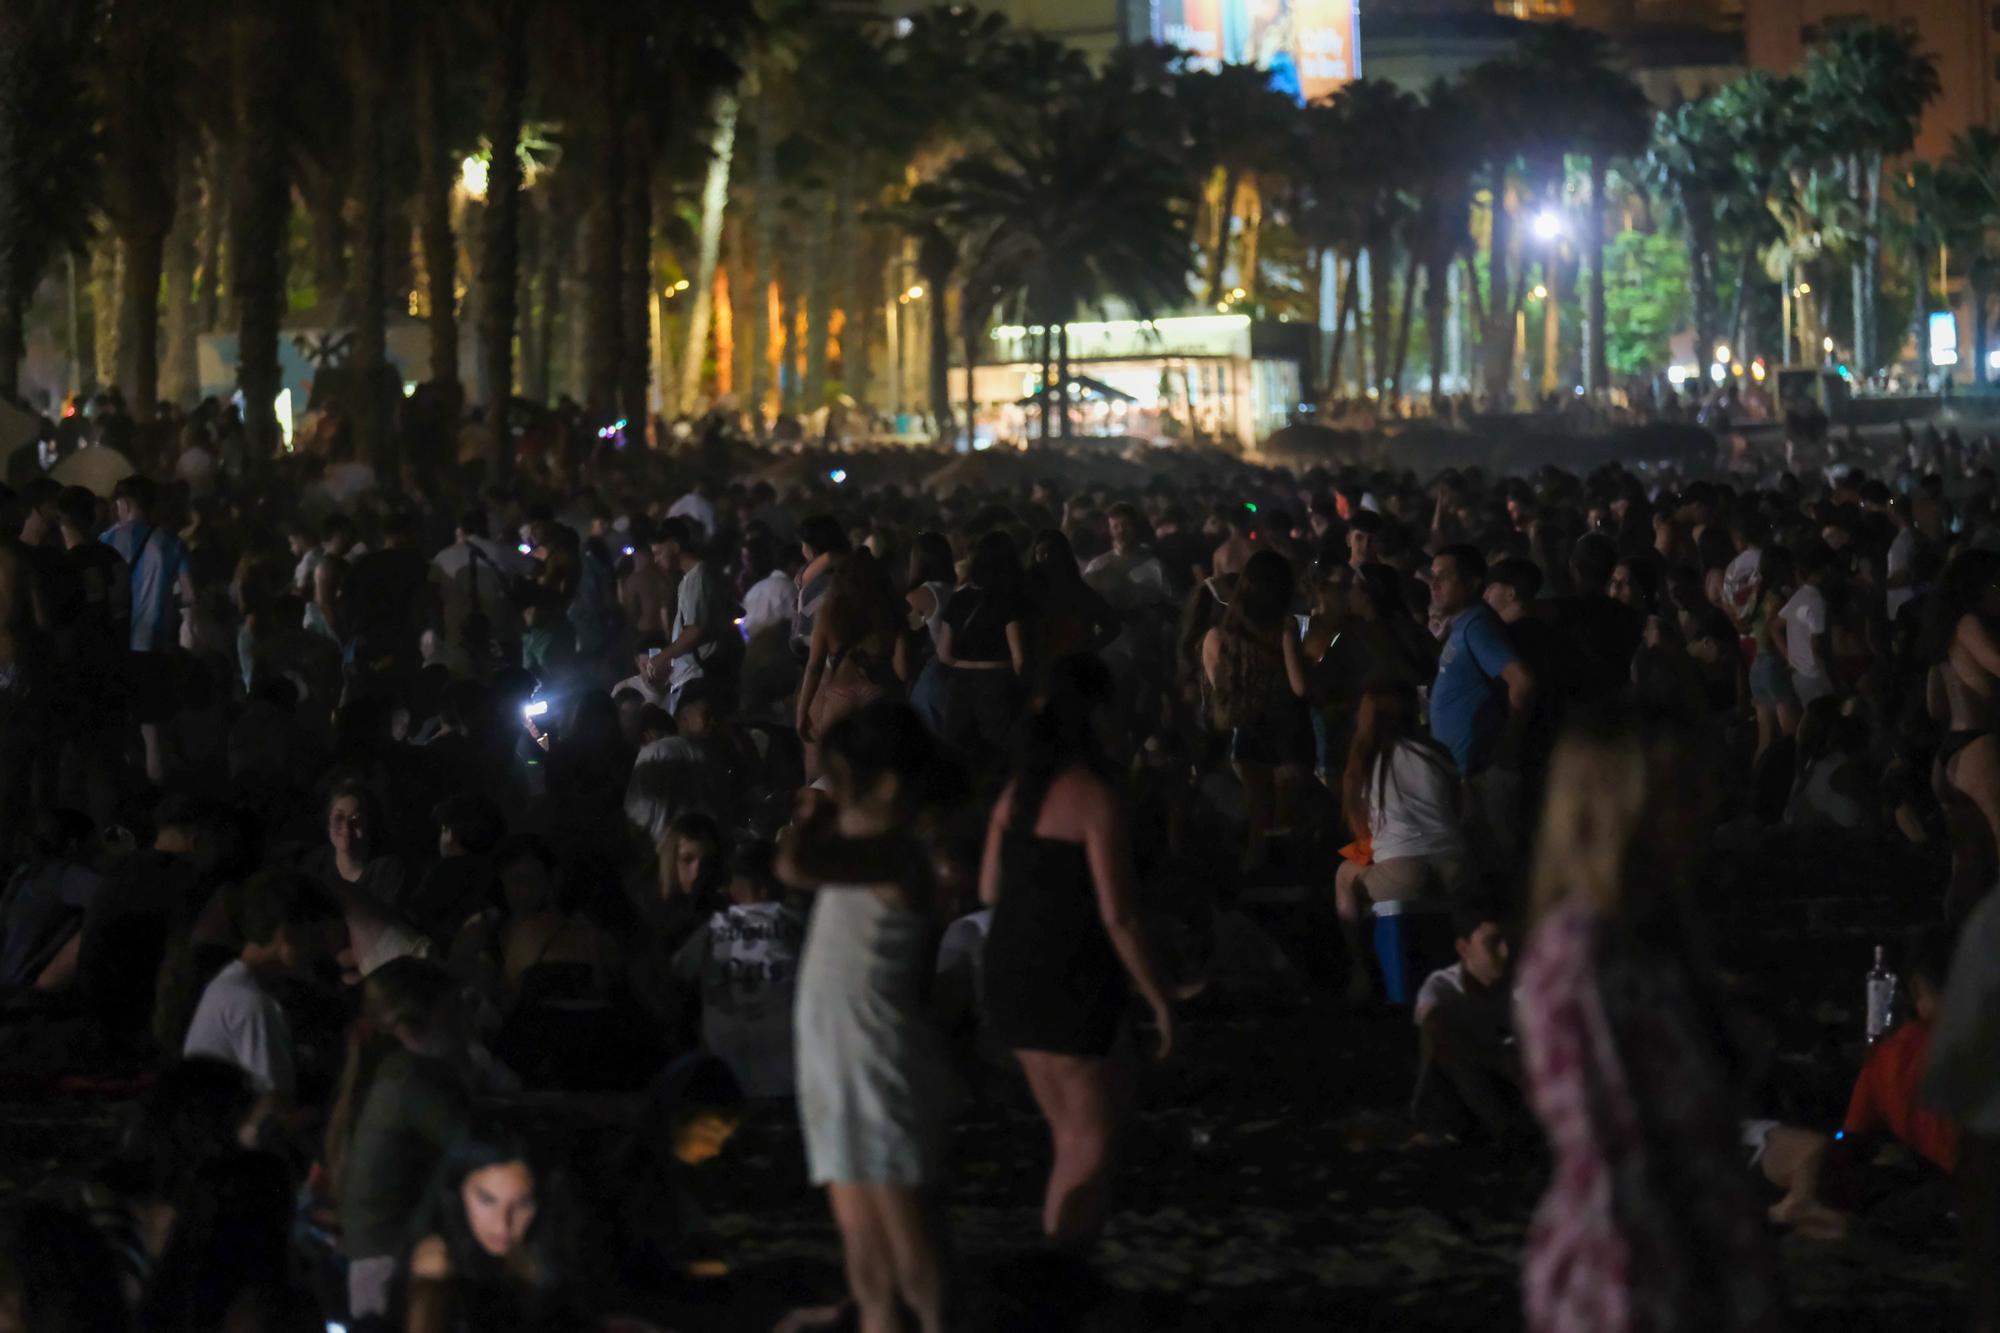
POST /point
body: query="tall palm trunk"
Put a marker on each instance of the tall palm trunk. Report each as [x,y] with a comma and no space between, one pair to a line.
[180,378]
[436,171]
[1046,349]
[637,367]
[607,240]
[1976,287]
[370,298]
[793,306]
[538,375]
[1403,324]
[325,196]
[1436,314]
[1701,280]
[1348,289]
[105,264]
[262,209]
[1920,307]
[1477,351]
[841,263]
[1739,304]
[1499,304]
[1381,308]
[972,328]
[937,258]
[764,262]
[1225,215]
[1596,359]
[714,200]
[819,301]
[217,181]
[1062,378]
[500,246]
[17,282]
[144,244]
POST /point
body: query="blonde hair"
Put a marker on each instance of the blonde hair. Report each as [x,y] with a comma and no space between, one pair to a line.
[1624,804]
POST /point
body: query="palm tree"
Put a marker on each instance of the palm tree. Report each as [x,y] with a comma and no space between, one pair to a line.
[141,62]
[1922,194]
[1240,127]
[1867,89]
[372,68]
[438,141]
[1601,115]
[500,246]
[1510,116]
[48,150]
[1437,234]
[262,208]
[1081,204]
[1969,201]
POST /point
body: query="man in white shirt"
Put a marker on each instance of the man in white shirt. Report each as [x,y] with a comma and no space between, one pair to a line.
[697,506]
[1901,569]
[698,620]
[288,924]
[1470,1077]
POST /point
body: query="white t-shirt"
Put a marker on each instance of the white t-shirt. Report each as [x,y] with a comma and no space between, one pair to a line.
[696,602]
[769,601]
[695,506]
[746,962]
[1415,812]
[1440,987]
[238,1021]
[1804,617]
[1902,552]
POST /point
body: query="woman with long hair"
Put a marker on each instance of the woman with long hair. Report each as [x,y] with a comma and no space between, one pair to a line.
[1065,940]
[402,1101]
[873,1075]
[851,659]
[495,1257]
[933,577]
[1070,615]
[1649,1222]
[1257,685]
[1400,795]
[1965,665]
[985,644]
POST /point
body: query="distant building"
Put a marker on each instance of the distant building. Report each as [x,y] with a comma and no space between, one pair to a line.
[1963,35]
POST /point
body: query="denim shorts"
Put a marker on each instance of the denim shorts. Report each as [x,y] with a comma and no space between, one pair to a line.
[1771,681]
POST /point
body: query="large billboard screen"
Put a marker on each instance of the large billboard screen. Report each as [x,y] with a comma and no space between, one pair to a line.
[1310,47]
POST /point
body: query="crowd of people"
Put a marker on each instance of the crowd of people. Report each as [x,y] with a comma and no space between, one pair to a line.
[354,825]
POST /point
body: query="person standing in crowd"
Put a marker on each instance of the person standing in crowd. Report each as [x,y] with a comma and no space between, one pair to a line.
[1632,1067]
[856,641]
[1480,701]
[1256,677]
[823,543]
[872,1073]
[984,644]
[696,634]
[928,591]
[162,588]
[1065,941]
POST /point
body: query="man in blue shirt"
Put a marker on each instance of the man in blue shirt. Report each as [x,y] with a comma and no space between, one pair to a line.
[1479,701]
[160,580]
[161,586]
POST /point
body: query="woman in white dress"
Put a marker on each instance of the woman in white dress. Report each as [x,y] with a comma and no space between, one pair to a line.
[873,1079]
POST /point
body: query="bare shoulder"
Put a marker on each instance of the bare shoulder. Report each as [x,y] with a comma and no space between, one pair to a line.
[1083,791]
[430,1260]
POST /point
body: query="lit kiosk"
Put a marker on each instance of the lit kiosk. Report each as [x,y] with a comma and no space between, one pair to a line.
[1218,379]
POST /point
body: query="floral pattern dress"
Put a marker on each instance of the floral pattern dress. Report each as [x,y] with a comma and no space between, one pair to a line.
[1649,1224]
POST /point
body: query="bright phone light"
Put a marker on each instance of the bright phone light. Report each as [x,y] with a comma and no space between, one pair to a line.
[539,708]
[838,476]
[525,549]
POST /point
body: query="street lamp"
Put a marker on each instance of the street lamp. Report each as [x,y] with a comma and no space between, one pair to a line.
[1548,225]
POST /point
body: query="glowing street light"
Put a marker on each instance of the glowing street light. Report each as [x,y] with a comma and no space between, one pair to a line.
[1541,293]
[1826,343]
[1548,225]
[915,293]
[472,173]
[1722,353]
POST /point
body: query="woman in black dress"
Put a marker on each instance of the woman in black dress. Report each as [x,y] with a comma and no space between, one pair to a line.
[1065,937]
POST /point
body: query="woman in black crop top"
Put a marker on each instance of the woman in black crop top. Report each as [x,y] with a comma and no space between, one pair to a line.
[983,644]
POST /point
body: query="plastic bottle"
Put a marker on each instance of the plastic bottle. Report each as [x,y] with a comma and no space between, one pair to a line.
[1881,998]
